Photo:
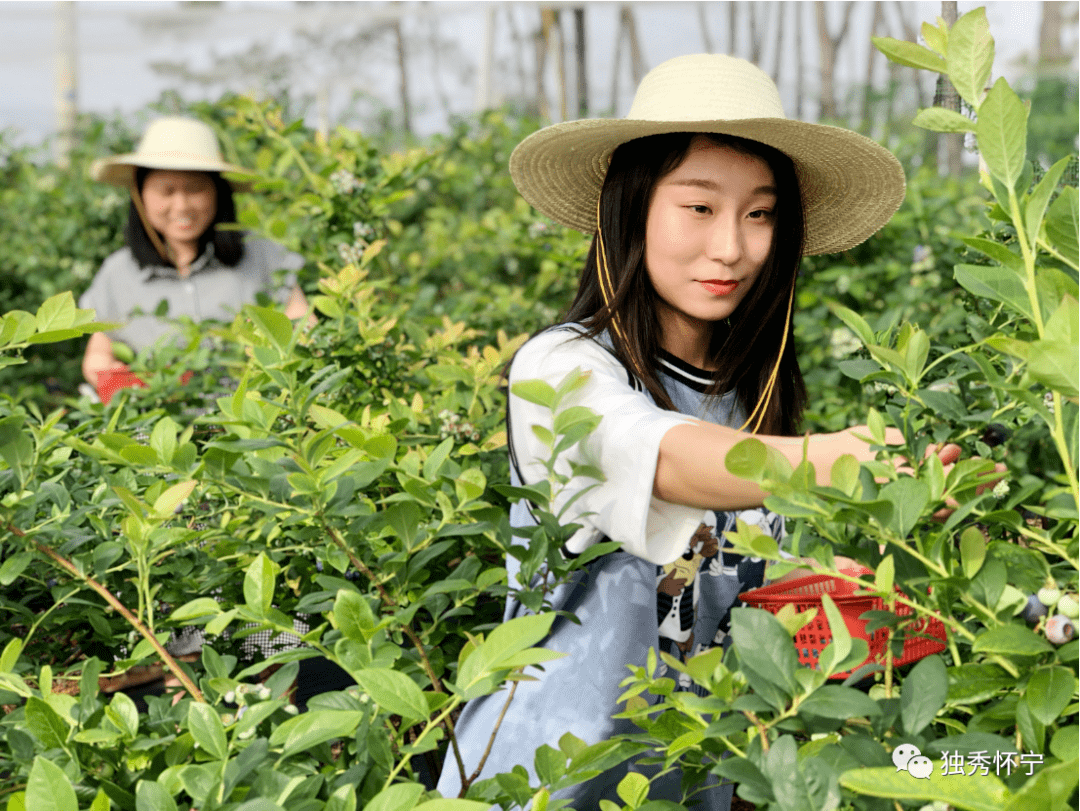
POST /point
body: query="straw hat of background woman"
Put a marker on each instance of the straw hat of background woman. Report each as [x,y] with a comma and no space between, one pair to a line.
[182,245]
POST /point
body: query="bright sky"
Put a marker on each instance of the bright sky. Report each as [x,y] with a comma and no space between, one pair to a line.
[115,53]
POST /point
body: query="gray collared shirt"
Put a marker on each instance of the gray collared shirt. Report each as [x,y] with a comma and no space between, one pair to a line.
[126,293]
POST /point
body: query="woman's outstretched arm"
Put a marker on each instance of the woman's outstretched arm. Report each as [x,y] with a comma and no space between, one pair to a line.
[690,469]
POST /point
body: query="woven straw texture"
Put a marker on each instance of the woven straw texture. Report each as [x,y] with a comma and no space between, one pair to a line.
[850,185]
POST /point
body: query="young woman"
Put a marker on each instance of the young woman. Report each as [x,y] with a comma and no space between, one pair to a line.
[175,251]
[702,203]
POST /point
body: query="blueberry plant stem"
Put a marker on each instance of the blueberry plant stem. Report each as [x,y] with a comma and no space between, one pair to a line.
[122,610]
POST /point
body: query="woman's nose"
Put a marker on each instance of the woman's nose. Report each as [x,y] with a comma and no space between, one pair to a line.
[725,241]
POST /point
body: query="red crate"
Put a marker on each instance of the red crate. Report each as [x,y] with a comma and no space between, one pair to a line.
[922,638]
[111,381]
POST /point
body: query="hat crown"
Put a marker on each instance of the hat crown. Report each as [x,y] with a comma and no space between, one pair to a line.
[706,87]
[182,138]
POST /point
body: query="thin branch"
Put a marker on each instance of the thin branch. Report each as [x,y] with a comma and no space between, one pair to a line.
[121,609]
[491,741]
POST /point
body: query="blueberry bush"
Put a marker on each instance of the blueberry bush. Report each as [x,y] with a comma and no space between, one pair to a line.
[344,485]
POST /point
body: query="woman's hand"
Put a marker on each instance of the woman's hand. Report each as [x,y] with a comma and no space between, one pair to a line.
[98,358]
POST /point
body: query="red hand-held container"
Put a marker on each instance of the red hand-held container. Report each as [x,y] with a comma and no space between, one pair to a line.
[922,638]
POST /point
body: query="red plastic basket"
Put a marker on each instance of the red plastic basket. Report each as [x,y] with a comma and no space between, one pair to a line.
[111,381]
[922,638]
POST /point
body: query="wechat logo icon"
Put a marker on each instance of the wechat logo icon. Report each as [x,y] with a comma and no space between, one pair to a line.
[907,757]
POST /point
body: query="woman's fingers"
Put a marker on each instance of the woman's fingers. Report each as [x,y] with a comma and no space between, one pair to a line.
[948,454]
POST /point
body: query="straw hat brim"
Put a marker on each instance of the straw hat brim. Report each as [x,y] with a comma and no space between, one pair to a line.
[118,170]
[850,185]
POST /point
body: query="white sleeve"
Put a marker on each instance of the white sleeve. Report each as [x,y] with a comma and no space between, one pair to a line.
[625,447]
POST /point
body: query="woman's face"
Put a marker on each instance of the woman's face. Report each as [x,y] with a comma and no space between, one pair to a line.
[708,232]
[180,205]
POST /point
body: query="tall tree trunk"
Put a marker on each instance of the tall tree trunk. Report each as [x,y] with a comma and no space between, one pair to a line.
[829,45]
[637,60]
[403,79]
[581,63]
[519,50]
[733,23]
[542,40]
[435,48]
[780,16]
[755,34]
[1052,56]
[868,86]
[705,38]
[484,93]
[559,45]
[67,80]
[799,85]
[616,66]
[947,97]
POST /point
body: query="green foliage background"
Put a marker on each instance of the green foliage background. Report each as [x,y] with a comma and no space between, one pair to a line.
[356,474]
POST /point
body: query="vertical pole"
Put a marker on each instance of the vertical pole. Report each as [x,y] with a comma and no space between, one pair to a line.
[67,87]
[582,79]
[484,93]
[948,98]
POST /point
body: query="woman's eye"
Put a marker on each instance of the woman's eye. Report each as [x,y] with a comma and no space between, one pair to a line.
[761,214]
[699,209]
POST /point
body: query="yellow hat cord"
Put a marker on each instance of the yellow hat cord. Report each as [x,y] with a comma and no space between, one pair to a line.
[607,289]
[766,395]
[151,232]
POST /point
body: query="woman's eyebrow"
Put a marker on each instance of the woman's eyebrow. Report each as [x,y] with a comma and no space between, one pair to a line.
[713,185]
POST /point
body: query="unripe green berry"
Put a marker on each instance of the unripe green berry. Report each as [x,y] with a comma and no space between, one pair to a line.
[1049,596]
[1068,606]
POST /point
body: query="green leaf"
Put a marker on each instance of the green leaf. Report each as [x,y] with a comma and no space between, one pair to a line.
[163,439]
[48,788]
[1002,133]
[855,322]
[259,584]
[834,701]
[936,37]
[453,805]
[836,652]
[1049,789]
[1064,744]
[10,656]
[314,727]
[1062,223]
[535,391]
[506,641]
[909,498]
[996,283]
[975,793]
[398,797]
[206,728]
[996,251]
[633,789]
[353,615]
[56,313]
[394,692]
[909,54]
[168,502]
[876,425]
[885,575]
[193,609]
[45,724]
[150,796]
[939,119]
[975,683]
[1049,691]
[1053,363]
[765,646]
[1040,197]
[1011,640]
[969,56]
[924,692]
[13,567]
[972,551]
[433,464]
[747,460]
[123,714]
[272,323]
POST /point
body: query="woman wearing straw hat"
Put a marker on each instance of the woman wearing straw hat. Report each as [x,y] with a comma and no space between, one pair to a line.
[175,250]
[702,203]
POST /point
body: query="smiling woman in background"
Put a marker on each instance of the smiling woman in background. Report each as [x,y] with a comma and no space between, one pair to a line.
[176,252]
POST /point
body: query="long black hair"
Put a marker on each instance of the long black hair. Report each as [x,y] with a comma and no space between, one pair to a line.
[745,346]
[228,243]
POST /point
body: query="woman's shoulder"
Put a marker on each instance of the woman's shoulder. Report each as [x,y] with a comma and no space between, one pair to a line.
[265,254]
[563,345]
[120,265]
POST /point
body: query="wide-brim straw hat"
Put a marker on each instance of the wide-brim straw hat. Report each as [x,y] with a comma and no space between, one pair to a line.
[850,185]
[172,142]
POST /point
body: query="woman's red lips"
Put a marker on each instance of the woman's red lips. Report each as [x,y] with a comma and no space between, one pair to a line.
[718,287]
